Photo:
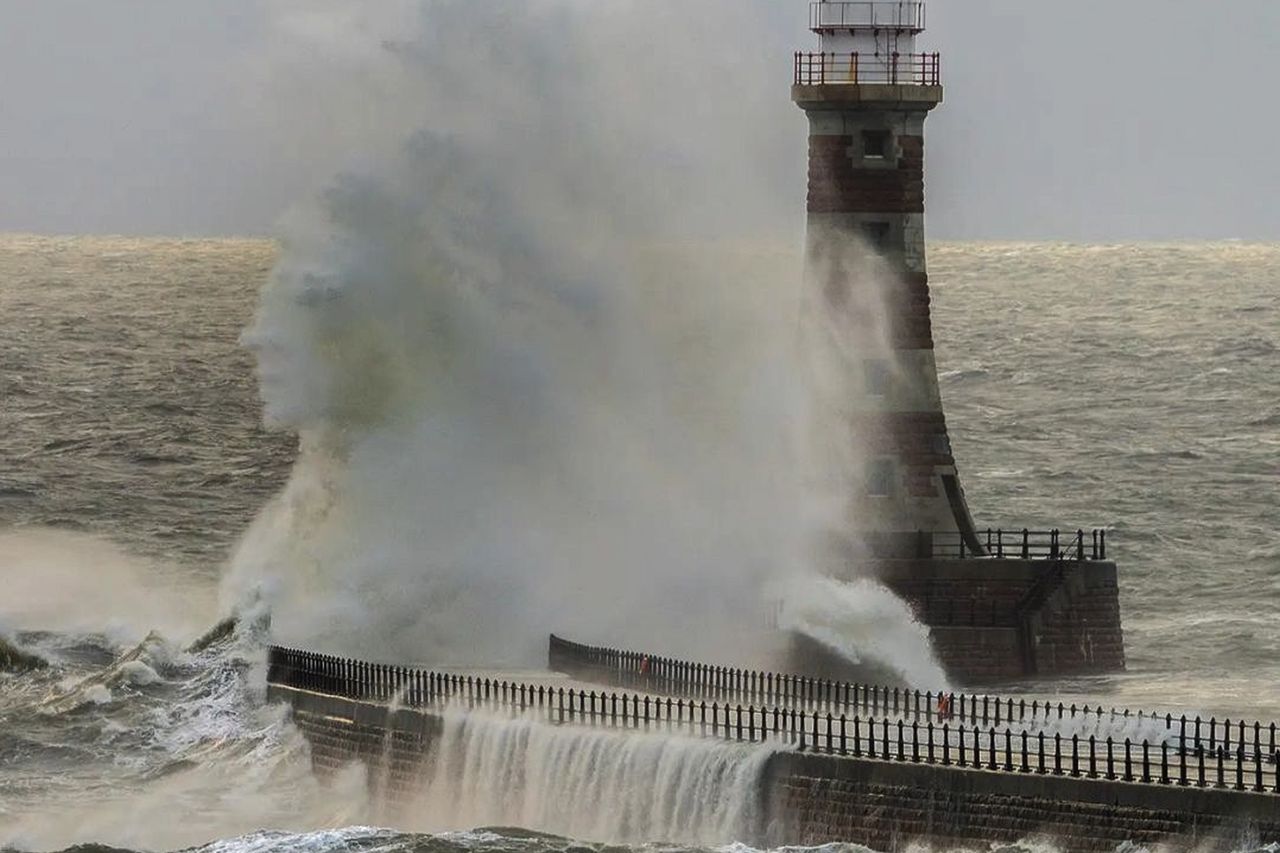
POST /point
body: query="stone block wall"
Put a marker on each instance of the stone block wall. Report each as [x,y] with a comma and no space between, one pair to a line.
[980,655]
[1078,628]
[887,806]
[815,799]
[393,745]
[989,624]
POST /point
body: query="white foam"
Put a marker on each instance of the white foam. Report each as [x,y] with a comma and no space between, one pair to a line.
[137,673]
[863,621]
[593,784]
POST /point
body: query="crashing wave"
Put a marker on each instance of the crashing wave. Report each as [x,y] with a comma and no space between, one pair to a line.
[15,659]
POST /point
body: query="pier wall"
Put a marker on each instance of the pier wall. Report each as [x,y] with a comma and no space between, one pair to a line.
[817,799]
[885,801]
[393,745]
[994,620]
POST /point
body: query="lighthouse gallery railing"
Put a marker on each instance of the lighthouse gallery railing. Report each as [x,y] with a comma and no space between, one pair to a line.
[906,69]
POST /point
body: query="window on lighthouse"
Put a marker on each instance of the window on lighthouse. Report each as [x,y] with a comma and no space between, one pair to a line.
[876,233]
[875,144]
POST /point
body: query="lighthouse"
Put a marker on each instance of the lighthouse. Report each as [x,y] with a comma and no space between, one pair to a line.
[998,603]
[866,91]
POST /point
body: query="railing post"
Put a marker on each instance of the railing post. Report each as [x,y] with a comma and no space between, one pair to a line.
[946,744]
[1008,751]
[1026,544]
[1026,767]
[991,750]
[1257,757]
[1093,757]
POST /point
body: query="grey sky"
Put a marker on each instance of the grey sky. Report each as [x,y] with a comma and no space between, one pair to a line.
[1070,119]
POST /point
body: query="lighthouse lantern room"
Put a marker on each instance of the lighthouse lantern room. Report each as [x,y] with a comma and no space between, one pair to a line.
[867,42]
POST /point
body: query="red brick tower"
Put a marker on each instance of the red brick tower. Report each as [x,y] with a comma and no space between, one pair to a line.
[866,94]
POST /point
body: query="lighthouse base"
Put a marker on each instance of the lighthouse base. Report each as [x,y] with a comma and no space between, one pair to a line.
[1003,620]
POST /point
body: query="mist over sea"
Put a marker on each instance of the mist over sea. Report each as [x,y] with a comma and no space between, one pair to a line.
[1135,388]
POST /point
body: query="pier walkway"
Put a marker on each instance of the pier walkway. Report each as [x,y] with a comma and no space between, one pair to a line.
[679,698]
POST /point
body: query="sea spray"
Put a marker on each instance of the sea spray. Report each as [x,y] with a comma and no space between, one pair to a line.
[522,406]
[593,784]
[863,621]
[527,401]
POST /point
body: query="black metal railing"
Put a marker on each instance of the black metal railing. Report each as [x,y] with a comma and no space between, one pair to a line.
[670,676]
[1240,765]
[1024,544]
[905,69]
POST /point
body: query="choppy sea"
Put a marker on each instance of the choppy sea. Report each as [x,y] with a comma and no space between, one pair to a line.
[1132,387]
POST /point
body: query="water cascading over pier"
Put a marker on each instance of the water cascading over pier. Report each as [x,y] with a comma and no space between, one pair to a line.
[695,752]
[591,784]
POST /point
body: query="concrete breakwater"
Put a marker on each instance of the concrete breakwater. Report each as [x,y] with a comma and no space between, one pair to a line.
[780,774]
